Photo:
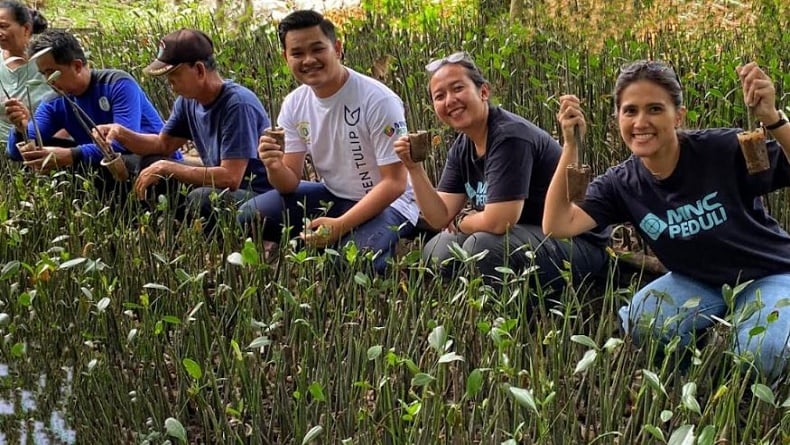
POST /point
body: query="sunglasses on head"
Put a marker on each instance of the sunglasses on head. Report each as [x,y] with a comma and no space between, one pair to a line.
[456,57]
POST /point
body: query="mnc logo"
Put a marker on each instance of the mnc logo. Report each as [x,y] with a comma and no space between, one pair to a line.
[477,196]
[686,220]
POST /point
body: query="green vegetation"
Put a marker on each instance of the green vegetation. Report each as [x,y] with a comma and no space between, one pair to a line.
[170,337]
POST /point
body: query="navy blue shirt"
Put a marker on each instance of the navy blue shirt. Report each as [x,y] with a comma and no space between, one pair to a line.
[228,128]
[519,163]
[706,220]
[113,96]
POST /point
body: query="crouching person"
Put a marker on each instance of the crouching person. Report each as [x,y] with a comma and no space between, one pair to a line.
[86,97]
[222,118]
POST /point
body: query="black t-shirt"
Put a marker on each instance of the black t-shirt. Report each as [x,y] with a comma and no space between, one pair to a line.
[518,165]
[706,220]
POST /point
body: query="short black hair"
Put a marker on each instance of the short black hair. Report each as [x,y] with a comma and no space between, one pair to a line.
[210,63]
[24,15]
[65,47]
[305,18]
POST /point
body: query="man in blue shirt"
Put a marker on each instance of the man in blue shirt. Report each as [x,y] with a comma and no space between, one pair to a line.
[222,118]
[105,95]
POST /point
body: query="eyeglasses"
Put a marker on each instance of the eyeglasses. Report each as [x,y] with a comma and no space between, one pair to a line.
[435,64]
[650,66]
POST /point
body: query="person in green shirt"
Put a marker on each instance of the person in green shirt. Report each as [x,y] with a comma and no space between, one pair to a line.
[18,24]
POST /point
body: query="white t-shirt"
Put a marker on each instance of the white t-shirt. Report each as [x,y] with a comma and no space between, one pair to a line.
[348,136]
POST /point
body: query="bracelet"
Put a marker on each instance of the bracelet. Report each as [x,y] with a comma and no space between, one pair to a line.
[782,121]
[460,217]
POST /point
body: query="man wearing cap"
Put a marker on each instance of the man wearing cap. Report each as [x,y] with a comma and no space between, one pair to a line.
[348,123]
[222,118]
[105,95]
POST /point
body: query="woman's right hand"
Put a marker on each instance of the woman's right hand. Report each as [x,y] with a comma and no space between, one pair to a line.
[403,150]
[569,116]
[17,113]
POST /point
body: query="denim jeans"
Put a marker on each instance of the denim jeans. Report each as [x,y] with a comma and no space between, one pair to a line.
[678,305]
[267,214]
[521,247]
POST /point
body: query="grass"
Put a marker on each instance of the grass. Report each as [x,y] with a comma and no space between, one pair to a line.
[167,336]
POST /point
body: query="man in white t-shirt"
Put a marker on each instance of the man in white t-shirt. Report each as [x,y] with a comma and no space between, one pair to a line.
[347,122]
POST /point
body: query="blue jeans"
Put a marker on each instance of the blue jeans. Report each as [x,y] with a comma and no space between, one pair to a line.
[678,305]
[270,212]
[199,203]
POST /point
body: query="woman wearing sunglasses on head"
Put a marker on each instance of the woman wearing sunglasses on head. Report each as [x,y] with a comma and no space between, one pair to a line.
[499,167]
[697,205]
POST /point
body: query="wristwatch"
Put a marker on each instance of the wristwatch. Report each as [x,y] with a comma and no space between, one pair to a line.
[782,121]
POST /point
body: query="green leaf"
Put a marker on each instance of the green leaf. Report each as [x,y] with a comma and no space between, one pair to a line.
[438,338]
[652,381]
[236,259]
[524,398]
[192,368]
[71,263]
[422,379]
[249,253]
[18,350]
[236,350]
[259,342]
[174,428]
[684,435]
[361,279]
[655,432]
[102,304]
[587,360]
[10,268]
[131,335]
[156,286]
[691,303]
[171,319]
[584,340]
[474,382]
[317,391]
[689,398]
[612,344]
[312,434]
[764,393]
[450,357]
[707,436]
[757,330]
[374,352]
[666,415]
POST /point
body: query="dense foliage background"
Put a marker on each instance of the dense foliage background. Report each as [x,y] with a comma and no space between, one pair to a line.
[146,332]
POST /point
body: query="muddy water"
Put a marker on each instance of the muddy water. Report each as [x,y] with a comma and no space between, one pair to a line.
[23,421]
